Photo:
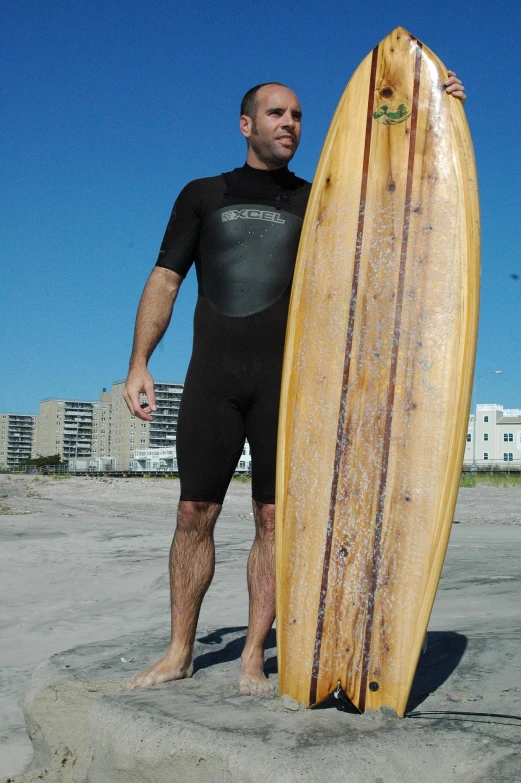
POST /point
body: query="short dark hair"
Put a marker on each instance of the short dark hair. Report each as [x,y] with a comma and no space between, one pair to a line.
[249,103]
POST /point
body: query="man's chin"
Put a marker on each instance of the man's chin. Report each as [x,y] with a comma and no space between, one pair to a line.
[275,157]
[283,156]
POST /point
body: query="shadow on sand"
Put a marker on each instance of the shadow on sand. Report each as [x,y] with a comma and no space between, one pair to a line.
[232,650]
[445,649]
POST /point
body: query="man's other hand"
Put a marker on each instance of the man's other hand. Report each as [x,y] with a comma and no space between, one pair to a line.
[139,381]
[454,87]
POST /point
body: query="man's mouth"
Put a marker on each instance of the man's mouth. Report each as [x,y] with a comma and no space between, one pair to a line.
[286,139]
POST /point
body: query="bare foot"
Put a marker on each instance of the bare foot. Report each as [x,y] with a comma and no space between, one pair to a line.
[254,684]
[252,680]
[163,671]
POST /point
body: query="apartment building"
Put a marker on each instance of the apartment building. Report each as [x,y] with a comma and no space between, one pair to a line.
[163,430]
[129,434]
[101,423]
[17,433]
[64,427]
[494,437]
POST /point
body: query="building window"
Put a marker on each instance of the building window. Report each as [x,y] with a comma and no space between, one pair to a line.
[469,437]
[485,455]
[508,457]
[485,418]
[485,436]
[508,437]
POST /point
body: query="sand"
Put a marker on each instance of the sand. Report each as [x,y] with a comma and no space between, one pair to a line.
[84,569]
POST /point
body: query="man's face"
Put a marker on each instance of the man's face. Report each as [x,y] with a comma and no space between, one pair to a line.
[274,133]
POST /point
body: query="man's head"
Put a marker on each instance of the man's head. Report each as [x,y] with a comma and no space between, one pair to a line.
[271,123]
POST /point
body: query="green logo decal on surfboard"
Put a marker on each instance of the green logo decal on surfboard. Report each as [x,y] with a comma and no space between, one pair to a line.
[391,113]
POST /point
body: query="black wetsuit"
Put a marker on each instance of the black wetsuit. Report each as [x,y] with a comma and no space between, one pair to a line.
[242,230]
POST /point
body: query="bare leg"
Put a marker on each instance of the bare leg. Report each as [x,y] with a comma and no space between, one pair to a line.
[261,586]
[192,562]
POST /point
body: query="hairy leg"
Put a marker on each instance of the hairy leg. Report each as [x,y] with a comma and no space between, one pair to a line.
[261,587]
[192,562]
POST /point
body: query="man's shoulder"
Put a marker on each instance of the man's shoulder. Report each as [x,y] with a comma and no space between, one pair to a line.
[202,184]
[201,195]
[299,182]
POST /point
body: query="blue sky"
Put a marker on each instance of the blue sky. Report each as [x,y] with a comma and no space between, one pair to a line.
[110,107]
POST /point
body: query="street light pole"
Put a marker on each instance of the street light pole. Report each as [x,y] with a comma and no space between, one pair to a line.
[490,372]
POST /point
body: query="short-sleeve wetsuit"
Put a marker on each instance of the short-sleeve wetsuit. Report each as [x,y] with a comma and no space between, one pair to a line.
[242,230]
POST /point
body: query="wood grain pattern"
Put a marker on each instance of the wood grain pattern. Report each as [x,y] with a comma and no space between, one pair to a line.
[377,380]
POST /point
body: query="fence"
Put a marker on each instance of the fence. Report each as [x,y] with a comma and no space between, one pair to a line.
[491,467]
[50,470]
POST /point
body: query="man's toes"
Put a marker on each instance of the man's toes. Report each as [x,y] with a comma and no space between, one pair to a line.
[253,687]
[143,680]
[266,687]
[134,682]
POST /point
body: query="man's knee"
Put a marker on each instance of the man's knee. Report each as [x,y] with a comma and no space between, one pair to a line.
[197,517]
[264,517]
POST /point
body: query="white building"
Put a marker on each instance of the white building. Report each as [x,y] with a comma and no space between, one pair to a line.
[91,464]
[244,464]
[153,460]
[160,459]
[494,438]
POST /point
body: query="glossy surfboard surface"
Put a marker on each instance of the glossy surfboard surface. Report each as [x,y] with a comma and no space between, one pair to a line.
[377,379]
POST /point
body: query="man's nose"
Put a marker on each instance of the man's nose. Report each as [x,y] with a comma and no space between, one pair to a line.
[288,120]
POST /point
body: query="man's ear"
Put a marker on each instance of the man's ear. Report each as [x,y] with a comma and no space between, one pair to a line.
[246,125]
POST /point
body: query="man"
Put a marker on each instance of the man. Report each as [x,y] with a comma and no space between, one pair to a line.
[242,229]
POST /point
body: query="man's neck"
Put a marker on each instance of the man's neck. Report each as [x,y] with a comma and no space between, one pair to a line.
[280,169]
[253,162]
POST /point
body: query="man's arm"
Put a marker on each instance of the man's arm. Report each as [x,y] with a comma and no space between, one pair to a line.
[153,316]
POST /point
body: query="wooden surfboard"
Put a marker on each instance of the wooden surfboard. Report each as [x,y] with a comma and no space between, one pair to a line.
[377,379]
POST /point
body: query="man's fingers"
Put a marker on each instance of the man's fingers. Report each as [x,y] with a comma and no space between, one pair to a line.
[457,92]
[142,411]
[137,384]
[151,396]
[132,398]
[454,87]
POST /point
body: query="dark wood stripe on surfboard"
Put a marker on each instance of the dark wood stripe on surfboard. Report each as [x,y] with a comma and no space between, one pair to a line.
[392,386]
[347,361]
